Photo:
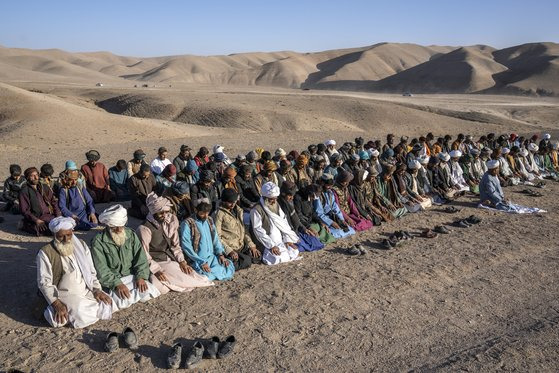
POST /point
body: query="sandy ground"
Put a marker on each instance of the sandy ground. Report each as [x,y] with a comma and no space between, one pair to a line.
[479,299]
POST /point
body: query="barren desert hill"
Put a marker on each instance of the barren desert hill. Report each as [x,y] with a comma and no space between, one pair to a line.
[384,67]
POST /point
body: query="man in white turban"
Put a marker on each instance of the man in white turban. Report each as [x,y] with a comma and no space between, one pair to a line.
[273,233]
[375,163]
[490,191]
[159,236]
[457,173]
[68,281]
[330,148]
[120,260]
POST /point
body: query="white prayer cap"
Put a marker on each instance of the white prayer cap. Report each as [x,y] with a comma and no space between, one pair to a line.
[424,159]
[270,190]
[523,152]
[547,136]
[374,153]
[114,216]
[455,154]
[280,152]
[60,223]
[157,204]
[491,164]
[444,157]
[533,147]
[330,142]
[505,151]
[414,165]
[218,149]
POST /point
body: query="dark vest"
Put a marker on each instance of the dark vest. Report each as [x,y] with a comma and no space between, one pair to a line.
[265,224]
[159,246]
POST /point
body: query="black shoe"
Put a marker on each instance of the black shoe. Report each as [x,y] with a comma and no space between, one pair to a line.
[111,345]
[226,347]
[451,210]
[174,358]
[441,229]
[129,338]
[386,244]
[473,219]
[408,235]
[353,250]
[361,249]
[400,235]
[195,355]
[461,224]
[212,348]
[394,240]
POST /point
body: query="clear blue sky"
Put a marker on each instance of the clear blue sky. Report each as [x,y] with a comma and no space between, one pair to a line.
[206,27]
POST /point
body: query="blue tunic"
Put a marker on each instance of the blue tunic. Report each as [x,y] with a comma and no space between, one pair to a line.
[309,243]
[330,206]
[208,251]
[71,203]
[118,183]
[490,189]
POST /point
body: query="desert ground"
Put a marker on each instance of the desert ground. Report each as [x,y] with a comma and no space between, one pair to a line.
[484,298]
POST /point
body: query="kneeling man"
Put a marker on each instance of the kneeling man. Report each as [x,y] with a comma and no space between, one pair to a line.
[120,260]
[67,279]
[159,235]
[271,229]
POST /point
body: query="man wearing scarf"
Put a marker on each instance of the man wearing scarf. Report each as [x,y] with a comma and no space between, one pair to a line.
[67,279]
[303,202]
[37,205]
[357,193]
[159,235]
[181,160]
[166,179]
[302,178]
[206,188]
[97,178]
[388,191]
[76,203]
[381,205]
[277,241]
[347,205]
[133,165]
[200,242]
[232,232]
[268,174]
[121,262]
[228,179]
[179,198]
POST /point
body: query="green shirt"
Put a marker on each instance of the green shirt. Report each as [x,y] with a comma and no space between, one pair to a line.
[113,262]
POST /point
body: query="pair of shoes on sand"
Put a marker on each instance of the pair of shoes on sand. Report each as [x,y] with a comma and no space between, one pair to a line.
[532,193]
[451,210]
[394,239]
[468,222]
[214,349]
[439,229]
[356,249]
[128,336]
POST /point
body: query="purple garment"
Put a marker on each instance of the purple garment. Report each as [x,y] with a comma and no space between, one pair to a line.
[361,224]
[71,203]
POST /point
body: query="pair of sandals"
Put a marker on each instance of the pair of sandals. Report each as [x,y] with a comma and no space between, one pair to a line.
[451,210]
[214,349]
[395,239]
[468,222]
[532,193]
[439,229]
[129,339]
[356,249]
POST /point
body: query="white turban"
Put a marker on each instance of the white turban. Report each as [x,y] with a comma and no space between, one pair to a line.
[533,147]
[547,136]
[270,190]
[492,164]
[424,159]
[280,152]
[474,152]
[505,151]
[523,152]
[455,154]
[414,165]
[444,157]
[330,142]
[157,204]
[60,223]
[218,149]
[374,153]
[114,216]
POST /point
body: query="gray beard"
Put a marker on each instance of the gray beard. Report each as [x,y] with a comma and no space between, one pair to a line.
[118,238]
[274,208]
[65,249]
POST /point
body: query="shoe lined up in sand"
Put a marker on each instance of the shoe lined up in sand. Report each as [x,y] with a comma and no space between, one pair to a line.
[213,349]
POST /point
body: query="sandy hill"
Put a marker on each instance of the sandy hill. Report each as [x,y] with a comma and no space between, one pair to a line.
[386,67]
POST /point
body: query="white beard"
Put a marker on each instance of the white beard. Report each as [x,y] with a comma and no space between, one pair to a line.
[118,238]
[64,248]
[274,208]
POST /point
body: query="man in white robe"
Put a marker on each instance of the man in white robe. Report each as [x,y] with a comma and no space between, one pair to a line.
[68,281]
[120,260]
[159,235]
[272,230]
[457,174]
